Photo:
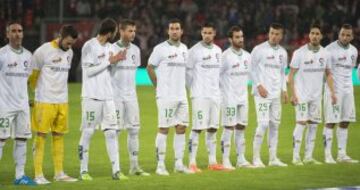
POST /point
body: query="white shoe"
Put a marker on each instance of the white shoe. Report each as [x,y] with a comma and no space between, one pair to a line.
[297,162]
[64,178]
[227,165]
[257,163]
[244,164]
[277,162]
[183,169]
[41,180]
[311,161]
[161,170]
[347,159]
[329,160]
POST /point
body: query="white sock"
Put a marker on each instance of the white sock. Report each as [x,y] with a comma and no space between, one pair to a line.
[273,140]
[133,146]
[20,158]
[240,144]
[160,144]
[341,135]
[226,143]
[2,144]
[193,146]
[179,148]
[310,140]
[327,137]
[84,144]
[297,139]
[112,147]
[258,139]
[211,146]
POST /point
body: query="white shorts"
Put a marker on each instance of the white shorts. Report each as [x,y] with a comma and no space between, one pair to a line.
[15,124]
[171,113]
[233,114]
[309,111]
[267,110]
[127,113]
[205,114]
[99,113]
[342,111]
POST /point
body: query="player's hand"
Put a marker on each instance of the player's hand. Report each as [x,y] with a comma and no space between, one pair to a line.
[294,100]
[333,99]
[121,55]
[262,91]
[285,97]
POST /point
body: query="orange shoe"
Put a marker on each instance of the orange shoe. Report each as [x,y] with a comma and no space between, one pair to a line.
[194,168]
[216,167]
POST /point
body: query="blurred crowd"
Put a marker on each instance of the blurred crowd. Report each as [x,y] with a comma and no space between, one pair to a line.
[152,15]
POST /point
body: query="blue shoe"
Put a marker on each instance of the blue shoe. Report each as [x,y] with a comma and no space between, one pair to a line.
[24,180]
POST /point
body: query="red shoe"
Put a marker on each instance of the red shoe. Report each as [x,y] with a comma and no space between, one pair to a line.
[194,168]
[217,167]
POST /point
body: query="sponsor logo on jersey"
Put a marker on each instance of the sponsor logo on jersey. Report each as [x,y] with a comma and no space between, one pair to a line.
[206,58]
[172,56]
[101,56]
[270,57]
[11,65]
[343,58]
[58,60]
[309,62]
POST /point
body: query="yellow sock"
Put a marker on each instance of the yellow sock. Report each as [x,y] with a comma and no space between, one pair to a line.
[58,153]
[38,151]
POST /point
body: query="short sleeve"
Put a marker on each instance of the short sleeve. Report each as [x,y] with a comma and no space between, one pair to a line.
[37,59]
[86,55]
[295,60]
[155,57]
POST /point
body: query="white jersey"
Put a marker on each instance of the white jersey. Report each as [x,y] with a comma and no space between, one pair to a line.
[95,64]
[309,79]
[54,65]
[204,70]
[234,76]
[170,61]
[268,65]
[342,61]
[15,68]
[124,72]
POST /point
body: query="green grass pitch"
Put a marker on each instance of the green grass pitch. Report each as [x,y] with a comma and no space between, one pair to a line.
[292,177]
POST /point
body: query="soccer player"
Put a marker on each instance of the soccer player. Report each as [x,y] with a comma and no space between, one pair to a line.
[343,58]
[15,68]
[169,59]
[203,72]
[268,63]
[233,84]
[98,107]
[52,62]
[124,87]
[308,66]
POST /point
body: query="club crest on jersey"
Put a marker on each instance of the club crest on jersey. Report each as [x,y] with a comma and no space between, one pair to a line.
[133,59]
[217,56]
[206,58]
[58,60]
[246,64]
[321,60]
[26,64]
[101,56]
[172,56]
[236,65]
[11,65]
[184,55]
[281,57]
[353,58]
[68,59]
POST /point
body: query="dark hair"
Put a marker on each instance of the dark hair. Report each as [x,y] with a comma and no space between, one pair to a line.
[173,21]
[11,22]
[277,26]
[347,26]
[68,30]
[108,25]
[126,22]
[232,30]
[208,25]
[316,25]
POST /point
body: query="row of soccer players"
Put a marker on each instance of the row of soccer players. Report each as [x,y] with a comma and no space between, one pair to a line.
[217,81]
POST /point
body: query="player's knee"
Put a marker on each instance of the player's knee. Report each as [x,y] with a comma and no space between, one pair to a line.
[344,125]
[41,134]
[21,139]
[211,130]
[229,127]
[3,140]
[180,129]
[57,134]
[133,131]
[330,125]
[164,131]
[301,122]
[240,127]
[88,131]
[110,134]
